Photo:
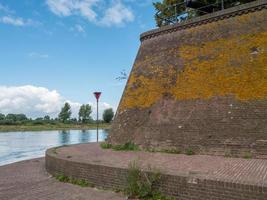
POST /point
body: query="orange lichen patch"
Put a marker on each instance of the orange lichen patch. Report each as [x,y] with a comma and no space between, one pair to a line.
[143,91]
[234,66]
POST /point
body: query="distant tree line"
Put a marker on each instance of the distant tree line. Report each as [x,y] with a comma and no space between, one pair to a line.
[84,116]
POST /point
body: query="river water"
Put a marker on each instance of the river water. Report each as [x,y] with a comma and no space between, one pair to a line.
[18,146]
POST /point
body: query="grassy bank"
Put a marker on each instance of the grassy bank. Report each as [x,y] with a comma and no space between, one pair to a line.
[46,127]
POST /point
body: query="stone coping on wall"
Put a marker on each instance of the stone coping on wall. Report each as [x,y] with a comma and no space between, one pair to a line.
[208,18]
[186,177]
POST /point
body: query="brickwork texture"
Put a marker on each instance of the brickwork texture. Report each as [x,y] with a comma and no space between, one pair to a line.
[182,187]
[201,84]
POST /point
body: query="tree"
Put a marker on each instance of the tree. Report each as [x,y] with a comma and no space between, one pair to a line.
[21,117]
[65,113]
[85,112]
[47,117]
[2,116]
[166,10]
[108,115]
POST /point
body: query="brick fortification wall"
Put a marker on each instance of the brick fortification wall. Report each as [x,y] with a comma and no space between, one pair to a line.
[201,84]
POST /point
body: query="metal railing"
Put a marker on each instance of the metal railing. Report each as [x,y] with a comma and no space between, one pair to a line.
[183,11]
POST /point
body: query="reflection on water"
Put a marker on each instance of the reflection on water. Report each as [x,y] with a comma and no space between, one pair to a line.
[17,146]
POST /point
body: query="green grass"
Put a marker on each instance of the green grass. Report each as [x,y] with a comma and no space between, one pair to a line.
[79,182]
[46,127]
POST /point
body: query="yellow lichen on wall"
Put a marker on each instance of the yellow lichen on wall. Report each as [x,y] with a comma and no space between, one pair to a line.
[143,91]
[234,66]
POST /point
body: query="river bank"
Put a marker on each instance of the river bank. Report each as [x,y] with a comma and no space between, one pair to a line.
[48,127]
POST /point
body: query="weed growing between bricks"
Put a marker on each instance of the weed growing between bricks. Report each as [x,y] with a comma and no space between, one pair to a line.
[247,155]
[189,152]
[141,184]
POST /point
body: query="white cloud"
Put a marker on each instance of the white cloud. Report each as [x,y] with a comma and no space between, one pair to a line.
[37,55]
[71,7]
[17,21]
[38,101]
[6,9]
[100,12]
[79,28]
[13,21]
[117,14]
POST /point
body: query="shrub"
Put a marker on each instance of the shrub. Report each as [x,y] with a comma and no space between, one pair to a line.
[247,155]
[105,145]
[189,152]
[141,184]
[128,146]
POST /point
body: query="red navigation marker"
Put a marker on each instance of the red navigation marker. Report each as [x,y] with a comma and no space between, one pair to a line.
[97,95]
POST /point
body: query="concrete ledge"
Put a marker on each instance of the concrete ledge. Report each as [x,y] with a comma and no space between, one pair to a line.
[208,18]
[184,177]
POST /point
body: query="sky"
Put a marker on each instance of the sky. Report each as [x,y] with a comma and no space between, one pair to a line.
[56,51]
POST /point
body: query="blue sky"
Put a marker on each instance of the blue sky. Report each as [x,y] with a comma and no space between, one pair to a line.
[53,51]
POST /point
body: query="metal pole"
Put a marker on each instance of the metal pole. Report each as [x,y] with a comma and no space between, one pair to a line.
[176,20]
[97,121]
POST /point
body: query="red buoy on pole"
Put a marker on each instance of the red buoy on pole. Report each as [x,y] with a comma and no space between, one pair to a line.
[97,96]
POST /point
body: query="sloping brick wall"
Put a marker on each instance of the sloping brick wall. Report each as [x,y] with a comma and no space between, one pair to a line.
[201,85]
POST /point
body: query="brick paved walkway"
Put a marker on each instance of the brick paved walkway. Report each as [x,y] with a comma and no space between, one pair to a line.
[237,170]
[28,180]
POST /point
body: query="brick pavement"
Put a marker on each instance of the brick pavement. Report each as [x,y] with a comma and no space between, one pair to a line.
[238,170]
[28,180]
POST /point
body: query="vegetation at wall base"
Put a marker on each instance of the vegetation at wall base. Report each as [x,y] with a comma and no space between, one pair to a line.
[79,182]
[105,145]
[128,146]
[164,150]
[247,155]
[189,152]
[141,184]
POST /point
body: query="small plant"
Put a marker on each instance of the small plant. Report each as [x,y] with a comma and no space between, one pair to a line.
[141,184]
[106,145]
[131,146]
[247,155]
[189,152]
[171,150]
[227,153]
[80,182]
